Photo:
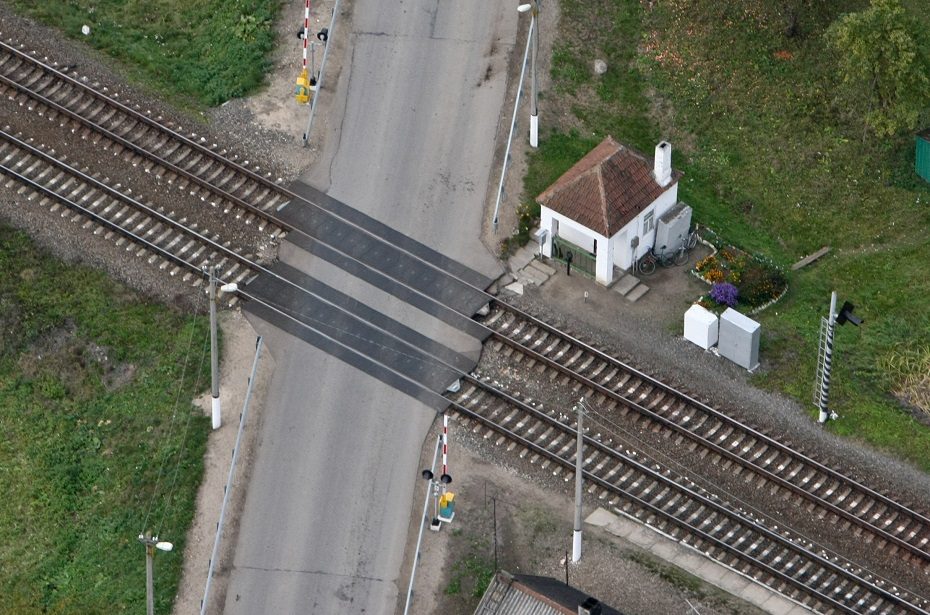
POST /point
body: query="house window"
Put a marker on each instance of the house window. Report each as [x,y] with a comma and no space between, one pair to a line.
[649,222]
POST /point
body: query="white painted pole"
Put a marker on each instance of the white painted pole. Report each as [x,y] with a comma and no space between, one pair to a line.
[579,460]
[534,112]
[205,602]
[216,411]
[319,81]
[445,447]
[516,106]
[306,30]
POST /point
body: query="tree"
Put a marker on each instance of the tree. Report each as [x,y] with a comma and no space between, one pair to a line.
[881,59]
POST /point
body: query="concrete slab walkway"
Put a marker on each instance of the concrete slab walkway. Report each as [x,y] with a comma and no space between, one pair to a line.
[694,562]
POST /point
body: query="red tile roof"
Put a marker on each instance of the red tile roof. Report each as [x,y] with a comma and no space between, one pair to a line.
[606,189]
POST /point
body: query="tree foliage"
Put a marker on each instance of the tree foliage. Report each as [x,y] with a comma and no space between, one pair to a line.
[884,65]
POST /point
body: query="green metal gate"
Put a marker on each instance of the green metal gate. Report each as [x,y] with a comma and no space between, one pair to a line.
[582,260]
[923,155]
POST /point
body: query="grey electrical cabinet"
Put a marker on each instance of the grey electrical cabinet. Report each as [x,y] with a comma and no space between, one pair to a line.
[672,228]
[738,339]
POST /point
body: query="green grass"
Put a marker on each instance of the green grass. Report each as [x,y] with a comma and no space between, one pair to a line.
[777,164]
[90,376]
[473,571]
[207,51]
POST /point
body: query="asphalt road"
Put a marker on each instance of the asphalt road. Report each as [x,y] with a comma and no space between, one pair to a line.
[324,524]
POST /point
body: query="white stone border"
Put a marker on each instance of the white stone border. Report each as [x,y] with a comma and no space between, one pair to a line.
[754,310]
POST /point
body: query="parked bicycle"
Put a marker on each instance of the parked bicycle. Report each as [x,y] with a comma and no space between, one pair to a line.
[691,241]
[651,259]
[647,264]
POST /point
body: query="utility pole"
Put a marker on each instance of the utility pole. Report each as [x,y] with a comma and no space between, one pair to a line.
[214,355]
[579,460]
[533,7]
[534,114]
[150,545]
[214,360]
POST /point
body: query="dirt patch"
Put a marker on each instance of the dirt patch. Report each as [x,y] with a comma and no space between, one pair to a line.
[533,525]
[239,345]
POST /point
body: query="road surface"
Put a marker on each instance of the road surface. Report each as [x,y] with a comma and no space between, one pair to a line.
[327,509]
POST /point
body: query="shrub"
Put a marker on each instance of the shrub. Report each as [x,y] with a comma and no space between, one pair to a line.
[760,284]
[724,293]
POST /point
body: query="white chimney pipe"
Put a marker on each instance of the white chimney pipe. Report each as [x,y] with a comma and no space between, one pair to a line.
[663,164]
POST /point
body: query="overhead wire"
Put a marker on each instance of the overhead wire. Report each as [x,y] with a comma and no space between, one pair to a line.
[166,439]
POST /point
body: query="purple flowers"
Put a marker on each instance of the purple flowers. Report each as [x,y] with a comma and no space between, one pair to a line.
[724,293]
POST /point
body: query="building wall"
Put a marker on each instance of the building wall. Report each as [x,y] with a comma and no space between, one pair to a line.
[617,250]
[583,237]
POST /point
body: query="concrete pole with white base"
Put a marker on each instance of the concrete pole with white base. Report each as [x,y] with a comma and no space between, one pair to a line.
[534,104]
[579,459]
[214,359]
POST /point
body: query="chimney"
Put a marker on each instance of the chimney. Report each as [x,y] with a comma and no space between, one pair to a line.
[591,606]
[663,164]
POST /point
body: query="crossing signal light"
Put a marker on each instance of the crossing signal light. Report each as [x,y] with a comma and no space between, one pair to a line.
[846,314]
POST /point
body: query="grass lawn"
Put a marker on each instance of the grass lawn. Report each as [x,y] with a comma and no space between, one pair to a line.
[207,51]
[98,434]
[777,164]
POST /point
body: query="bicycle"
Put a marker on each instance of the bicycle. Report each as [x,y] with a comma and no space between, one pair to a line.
[647,264]
[691,240]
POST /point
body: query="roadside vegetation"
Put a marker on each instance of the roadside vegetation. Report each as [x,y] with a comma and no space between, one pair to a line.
[206,52]
[794,124]
[100,440]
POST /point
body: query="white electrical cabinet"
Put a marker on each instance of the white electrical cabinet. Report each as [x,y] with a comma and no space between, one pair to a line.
[739,339]
[701,326]
[673,228]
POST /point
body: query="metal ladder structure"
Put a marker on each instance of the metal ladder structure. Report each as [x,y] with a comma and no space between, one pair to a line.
[821,358]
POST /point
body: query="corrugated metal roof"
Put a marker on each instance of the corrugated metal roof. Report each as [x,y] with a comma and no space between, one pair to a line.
[531,595]
[503,597]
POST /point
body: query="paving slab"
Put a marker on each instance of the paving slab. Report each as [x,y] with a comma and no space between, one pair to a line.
[537,276]
[546,269]
[625,284]
[515,287]
[637,292]
[521,258]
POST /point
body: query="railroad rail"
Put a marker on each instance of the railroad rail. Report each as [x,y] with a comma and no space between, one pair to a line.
[676,507]
[225,184]
[178,245]
[607,380]
[185,159]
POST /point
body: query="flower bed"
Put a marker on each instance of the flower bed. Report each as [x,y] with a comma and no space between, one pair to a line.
[730,271]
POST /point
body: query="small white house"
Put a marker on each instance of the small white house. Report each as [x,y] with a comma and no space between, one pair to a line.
[608,205]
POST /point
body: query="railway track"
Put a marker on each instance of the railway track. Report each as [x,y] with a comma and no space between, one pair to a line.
[178,246]
[676,507]
[227,186]
[607,382]
[189,161]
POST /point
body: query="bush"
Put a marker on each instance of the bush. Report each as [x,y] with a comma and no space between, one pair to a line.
[760,284]
[724,293]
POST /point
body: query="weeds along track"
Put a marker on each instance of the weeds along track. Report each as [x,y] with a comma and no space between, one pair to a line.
[141,139]
[678,508]
[148,231]
[894,527]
